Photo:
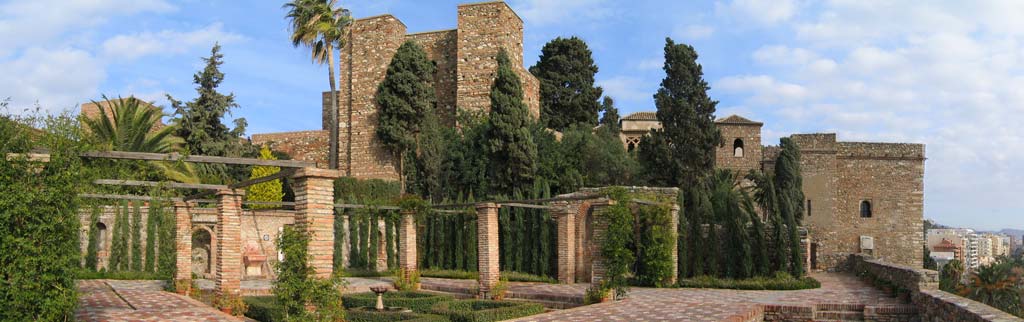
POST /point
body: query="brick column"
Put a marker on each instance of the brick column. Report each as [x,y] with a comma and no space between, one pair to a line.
[346,240]
[565,217]
[599,228]
[382,244]
[228,276]
[674,212]
[314,212]
[407,242]
[487,247]
[183,241]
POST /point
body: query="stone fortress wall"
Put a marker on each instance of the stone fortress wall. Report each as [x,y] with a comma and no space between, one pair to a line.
[466,67]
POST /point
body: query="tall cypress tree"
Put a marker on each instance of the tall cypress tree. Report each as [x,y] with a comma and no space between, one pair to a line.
[687,116]
[136,228]
[118,247]
[567,93]
[789,185]
[92,248]
[151,232]
[512,154]
[404,96]
[610,115]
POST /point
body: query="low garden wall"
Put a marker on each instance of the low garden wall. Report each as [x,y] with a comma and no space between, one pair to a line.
[923,287]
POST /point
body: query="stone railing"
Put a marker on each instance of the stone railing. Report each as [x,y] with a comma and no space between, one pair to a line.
[923,284]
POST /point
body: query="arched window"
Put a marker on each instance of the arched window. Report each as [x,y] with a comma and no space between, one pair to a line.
[737,148]
[101,232]
[865,209]
[630,147]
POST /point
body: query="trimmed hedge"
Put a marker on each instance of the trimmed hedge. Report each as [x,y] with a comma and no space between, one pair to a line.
[417,301]
[263,308]
[781,281]
[370,315]
[485,310]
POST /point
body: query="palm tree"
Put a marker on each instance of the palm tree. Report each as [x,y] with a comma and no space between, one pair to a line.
[996,284]
[132,126]
[319,25]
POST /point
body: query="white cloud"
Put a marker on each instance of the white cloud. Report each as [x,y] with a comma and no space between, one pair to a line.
[544,12]
[626,88]
[694,32]
[24,23]
[765,12]
[944,74]
[57,79]
[166,42]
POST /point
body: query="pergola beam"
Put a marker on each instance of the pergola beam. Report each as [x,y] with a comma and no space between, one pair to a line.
[523,205]
[178,185]
[527,201]
[122,197]
[246,183]
[196,158]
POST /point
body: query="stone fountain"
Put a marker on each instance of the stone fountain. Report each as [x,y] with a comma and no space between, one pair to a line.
[380,290]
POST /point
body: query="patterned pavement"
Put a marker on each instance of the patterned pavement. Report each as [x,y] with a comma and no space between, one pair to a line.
[110,300]
[646,304]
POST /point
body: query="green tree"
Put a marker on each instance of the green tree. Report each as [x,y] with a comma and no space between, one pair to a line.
[133,125]
[92,248]
[929,262]
[789,187]
[567,93]
[136,228]
[737,258]
[997,284]
[512,154]
[119,240]
[766,196]
[404,96]
[199,122]
[428,179]
[687,116]
[951,275]
[319,25]
[610,116]
[296,286]
[270,191]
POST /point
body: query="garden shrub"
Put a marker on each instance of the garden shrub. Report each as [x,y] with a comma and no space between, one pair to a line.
[654,246]
[416,301]
[449,273]
[527,277]
[618,257]
[296,286]
[89,274]
[39,218]
[485,310]
[370,315]
[264,308]
[781,281]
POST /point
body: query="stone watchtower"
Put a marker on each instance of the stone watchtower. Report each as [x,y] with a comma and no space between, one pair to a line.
[741,148]
[466,66]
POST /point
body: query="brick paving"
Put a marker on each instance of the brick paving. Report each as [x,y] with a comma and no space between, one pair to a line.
[647,304]
[110,300]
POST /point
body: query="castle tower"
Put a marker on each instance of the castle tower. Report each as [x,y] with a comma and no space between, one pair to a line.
[741,144]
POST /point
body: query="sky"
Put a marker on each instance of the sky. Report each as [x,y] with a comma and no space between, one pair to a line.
[944,73]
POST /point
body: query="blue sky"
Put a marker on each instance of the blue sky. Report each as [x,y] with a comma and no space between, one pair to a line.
[944,73]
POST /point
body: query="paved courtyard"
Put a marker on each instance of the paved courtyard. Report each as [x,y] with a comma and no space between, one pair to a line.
[112,300]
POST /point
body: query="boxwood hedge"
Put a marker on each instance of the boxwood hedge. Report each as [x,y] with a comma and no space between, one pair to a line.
[369,315]
[417,301]
[485,310]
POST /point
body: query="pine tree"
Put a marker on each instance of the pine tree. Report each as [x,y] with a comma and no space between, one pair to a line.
[610,115]
[511,151]
[403,98]
[136,228]
[92,248]
[270,191]
[199,121]
[567,93]
[687,115]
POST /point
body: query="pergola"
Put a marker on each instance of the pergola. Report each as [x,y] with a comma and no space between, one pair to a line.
[314,212]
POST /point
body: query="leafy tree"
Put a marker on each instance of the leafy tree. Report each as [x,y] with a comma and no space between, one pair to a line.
[319,25]
[687,115]
[561,165]
[512,154]
[270,191]
[610,116]
[929,262]
[199,122]
[435,140]
[997,284]
[598,156]
[404,96]
[567,92]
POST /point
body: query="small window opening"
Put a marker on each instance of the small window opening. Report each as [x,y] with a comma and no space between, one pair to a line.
[865,209]
[737,148]
[808,207]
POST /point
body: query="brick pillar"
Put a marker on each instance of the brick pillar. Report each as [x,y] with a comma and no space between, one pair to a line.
[675,243]
[599,228]
[346,240]
[565,217]
[487,247]
[183,241]
[314,212]
[407,242]
[228,275]
[382,245]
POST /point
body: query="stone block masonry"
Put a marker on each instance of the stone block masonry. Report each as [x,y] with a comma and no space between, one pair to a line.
[487,247]
[309,146]
[228,275]
[314,213]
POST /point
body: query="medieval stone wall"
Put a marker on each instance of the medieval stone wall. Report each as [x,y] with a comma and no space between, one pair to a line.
[749,136]
[441,48]
[310,146]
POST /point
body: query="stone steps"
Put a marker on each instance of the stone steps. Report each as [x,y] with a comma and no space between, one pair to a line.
[839,315]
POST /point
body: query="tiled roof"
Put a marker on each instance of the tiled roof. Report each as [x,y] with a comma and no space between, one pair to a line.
[641,116]
[736,119]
